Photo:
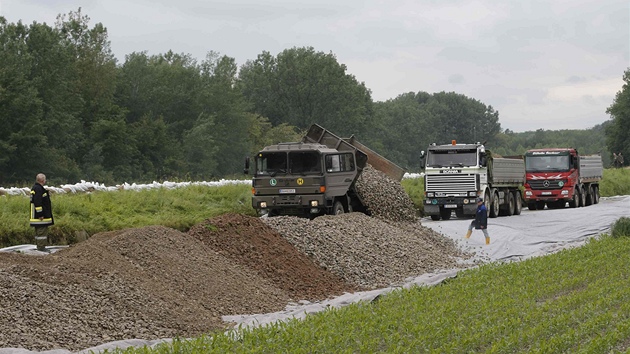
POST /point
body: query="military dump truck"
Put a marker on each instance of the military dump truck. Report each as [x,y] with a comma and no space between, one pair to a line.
[556,176]
[456,174]
[315,176]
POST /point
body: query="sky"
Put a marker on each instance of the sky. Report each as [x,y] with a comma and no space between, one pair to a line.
[542,64]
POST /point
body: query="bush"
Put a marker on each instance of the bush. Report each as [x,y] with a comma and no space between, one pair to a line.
[621,227]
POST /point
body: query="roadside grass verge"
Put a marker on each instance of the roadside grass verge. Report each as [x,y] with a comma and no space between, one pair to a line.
[616,181]
[179,208]
[574,301]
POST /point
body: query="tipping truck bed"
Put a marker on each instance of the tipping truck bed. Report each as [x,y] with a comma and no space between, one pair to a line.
[591,168]
[318,134]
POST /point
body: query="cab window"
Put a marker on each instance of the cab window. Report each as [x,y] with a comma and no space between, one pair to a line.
[339,163]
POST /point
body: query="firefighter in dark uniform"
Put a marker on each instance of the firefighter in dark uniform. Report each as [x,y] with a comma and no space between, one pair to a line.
[41,212]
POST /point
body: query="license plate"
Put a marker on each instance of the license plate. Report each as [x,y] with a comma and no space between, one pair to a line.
[546,193]
[287,191]
[450,206]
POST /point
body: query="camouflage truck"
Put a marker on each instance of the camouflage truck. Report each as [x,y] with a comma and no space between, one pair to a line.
[314,176]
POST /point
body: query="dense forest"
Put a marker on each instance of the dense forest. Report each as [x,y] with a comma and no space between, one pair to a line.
[69,109]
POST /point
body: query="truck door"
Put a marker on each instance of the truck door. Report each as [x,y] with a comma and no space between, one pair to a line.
[340,173]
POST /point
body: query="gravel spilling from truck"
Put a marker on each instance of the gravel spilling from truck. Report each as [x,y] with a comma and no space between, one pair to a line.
[384,197]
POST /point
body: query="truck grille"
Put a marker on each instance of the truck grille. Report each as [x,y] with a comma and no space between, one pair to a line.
[451,184]
[546,184]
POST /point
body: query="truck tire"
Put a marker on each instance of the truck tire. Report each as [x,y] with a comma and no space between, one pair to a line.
[589,196]
[531,205]
[338,208]
[518,203]
[509,208]
[494,205]
[575,202]
[435,217]
[445,214]
[582,197]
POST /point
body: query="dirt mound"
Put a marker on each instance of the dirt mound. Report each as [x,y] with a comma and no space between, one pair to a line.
[250,242]
[147,283]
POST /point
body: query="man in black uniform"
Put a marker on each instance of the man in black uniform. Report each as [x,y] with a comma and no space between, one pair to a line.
[41,212]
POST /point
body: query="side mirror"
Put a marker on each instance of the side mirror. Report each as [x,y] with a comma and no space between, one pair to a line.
[423,155]
[246,170]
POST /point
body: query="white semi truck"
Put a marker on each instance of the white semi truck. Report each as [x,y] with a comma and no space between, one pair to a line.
[456,174]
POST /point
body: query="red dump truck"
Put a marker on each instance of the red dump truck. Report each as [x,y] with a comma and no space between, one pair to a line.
[556,176]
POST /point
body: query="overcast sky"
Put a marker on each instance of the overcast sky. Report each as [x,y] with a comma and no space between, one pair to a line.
[553,64]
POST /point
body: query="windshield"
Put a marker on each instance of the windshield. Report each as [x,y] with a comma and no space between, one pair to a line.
[451,158]
[546,163]
[271,163]
[304,162]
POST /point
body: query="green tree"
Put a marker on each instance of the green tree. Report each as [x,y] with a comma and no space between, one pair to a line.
[618,132]
[301,87]
[22,136]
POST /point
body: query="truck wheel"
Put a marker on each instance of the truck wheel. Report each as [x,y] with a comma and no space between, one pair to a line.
[494,207]
[575,202]
[582,197]
[445,214]
[540,205]
[589,196]
[518,203]
[460,213]
[338,208]
[509,210]
[435,217]
[531,206]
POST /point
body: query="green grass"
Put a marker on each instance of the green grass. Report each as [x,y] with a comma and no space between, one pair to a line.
[616,181]
[574,301]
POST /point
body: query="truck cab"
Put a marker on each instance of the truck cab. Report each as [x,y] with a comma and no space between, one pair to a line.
[303,179]
[454,175]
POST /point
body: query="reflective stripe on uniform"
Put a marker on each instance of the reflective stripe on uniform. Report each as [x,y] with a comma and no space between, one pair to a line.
[44,221]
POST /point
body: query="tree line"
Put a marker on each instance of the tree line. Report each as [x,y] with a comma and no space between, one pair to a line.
[69,109]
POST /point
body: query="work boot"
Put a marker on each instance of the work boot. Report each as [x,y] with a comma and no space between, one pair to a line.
[468,234]
[487,240]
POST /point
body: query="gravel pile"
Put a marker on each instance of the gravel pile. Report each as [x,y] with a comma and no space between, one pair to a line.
[145,283]
[384,197]
[367,251]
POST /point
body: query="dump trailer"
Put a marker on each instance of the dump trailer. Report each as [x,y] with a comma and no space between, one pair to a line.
[457,174]
[556,176]
[314,176]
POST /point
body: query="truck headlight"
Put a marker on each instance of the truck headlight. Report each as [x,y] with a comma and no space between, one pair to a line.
[472,194]
[528,193]
[263,205]
[314,203]
[430,194]
[466,201]
[564,192]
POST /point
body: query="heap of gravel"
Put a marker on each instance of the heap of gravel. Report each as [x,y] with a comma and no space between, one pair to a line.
[384,197]
[369,252]
[145,283]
